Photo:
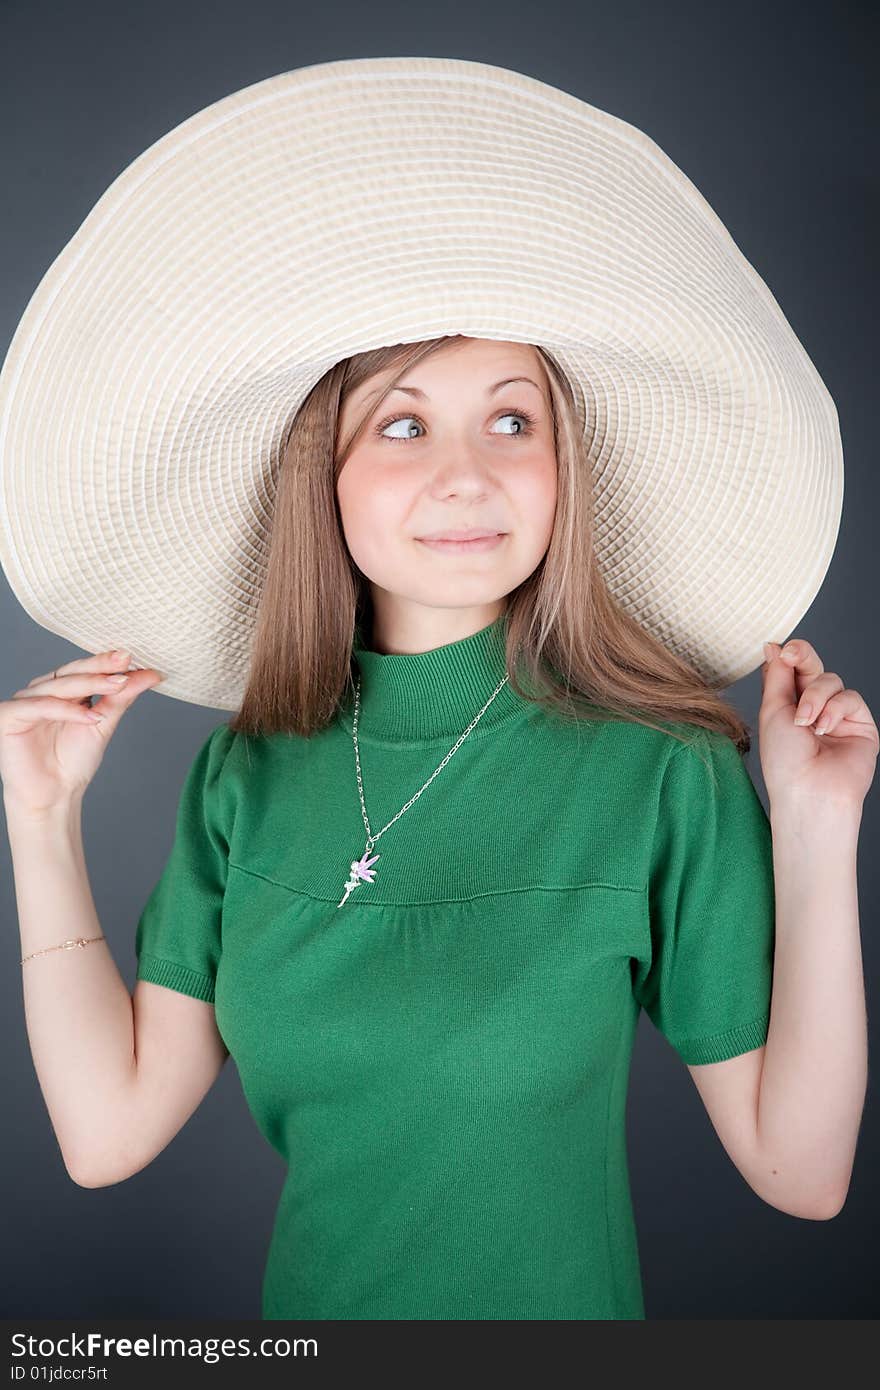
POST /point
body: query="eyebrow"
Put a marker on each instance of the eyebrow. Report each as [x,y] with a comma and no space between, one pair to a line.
[420,395]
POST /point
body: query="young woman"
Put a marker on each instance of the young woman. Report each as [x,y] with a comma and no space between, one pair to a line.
[469,820]
[476,806]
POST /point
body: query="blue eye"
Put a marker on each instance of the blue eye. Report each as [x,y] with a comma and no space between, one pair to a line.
[395,420]
[507,414]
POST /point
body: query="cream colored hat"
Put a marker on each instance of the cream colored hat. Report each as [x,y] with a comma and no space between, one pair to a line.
[346,205]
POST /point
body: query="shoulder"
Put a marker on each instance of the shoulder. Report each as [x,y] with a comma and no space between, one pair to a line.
[707,755]
[215,750]
[207,776]
[253,764]
[653,749]
[707,788]
[681,769]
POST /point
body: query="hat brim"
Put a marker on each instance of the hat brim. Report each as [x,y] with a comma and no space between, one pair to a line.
[346,205]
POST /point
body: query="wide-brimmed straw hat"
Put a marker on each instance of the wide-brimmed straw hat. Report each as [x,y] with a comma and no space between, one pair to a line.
[155,372]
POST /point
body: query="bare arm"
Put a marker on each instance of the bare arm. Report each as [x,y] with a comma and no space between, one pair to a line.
[119,1075]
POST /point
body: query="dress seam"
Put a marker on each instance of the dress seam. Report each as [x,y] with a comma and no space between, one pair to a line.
[500,893]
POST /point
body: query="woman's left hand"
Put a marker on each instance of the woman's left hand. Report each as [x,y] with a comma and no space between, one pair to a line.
[831,756]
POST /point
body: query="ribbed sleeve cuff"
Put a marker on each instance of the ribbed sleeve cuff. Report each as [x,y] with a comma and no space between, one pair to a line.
[174,976]
[720,1046]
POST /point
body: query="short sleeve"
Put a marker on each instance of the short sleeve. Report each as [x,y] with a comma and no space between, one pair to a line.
[177,940]
[711,905]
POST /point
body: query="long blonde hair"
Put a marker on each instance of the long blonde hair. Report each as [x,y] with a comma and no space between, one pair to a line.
[581,654]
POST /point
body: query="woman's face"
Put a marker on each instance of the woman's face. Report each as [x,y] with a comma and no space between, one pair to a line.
[453,452]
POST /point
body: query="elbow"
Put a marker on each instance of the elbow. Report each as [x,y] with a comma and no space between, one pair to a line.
[84,1176]
[84,1181]
[804,1191]
[100,1164]
[831,1208]
[824,1209]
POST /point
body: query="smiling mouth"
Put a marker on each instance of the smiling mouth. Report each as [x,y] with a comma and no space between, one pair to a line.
[479,543]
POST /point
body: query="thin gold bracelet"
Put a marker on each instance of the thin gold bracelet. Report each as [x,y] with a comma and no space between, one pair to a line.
[63,946]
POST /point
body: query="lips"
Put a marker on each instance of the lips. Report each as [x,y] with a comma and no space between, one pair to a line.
[466,533]
[473,546]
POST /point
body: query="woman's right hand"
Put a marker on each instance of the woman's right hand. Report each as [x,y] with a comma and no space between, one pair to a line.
[51,746]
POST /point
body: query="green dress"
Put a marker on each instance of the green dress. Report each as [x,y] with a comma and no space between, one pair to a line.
[442,1063]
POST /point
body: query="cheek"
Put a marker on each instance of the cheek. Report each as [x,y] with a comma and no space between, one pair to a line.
[536,490]
[373,506]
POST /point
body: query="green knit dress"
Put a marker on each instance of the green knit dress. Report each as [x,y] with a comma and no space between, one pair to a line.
[442,1063]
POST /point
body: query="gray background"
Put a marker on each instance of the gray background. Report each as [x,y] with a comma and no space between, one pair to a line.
[766,109]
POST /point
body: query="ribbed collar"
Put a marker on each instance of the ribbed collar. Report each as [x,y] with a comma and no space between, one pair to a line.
[436,693]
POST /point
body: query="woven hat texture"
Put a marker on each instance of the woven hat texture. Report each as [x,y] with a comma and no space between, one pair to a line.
[154,374]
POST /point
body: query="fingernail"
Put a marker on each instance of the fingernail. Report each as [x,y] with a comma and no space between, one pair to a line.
[804,716]
[768,652]
[789,650]
[121,652]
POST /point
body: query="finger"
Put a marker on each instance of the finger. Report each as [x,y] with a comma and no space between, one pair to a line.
[17,716]
[119,660]
[779,687]
[787,674]
[815,695]
[841,714]
[77,686]
[801,656]
[116,698]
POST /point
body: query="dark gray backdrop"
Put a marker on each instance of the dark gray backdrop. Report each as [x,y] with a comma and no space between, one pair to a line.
[765,107]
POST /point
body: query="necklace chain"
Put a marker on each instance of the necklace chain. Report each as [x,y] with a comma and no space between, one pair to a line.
[360,869]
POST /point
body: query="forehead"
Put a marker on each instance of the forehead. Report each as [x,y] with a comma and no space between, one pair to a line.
[481,363]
